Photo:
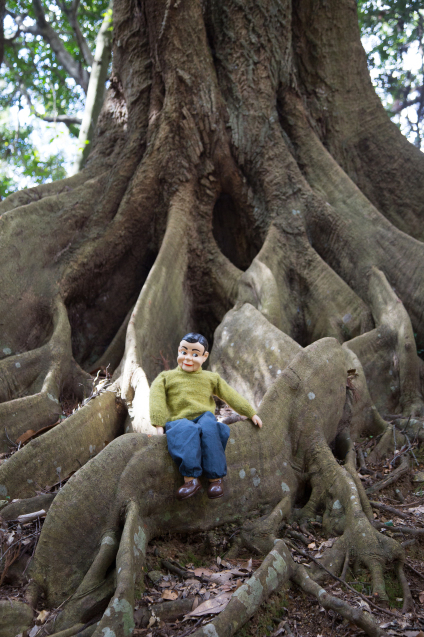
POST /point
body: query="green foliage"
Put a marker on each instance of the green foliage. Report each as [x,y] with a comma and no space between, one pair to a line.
[20,156]
[393,31]
[34,82]
[32,71]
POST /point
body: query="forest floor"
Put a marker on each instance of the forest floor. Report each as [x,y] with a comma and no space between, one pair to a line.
[188,578]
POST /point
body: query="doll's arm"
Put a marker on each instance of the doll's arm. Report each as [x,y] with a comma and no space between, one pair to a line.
[257,421]
[158,406]
[235,401]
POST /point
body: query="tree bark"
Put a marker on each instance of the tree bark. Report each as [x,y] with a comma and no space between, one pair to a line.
[244,182]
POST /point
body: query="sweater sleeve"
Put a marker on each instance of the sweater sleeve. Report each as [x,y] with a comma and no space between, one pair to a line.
[158,406]
[233,398]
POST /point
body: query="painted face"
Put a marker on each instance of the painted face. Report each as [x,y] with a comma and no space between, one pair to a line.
[191,356]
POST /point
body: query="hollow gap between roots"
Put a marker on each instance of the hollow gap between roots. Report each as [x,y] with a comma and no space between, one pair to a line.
[95,322]
[234,232]
[33,329]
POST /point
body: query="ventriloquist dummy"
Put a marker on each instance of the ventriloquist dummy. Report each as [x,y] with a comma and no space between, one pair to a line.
[181,402]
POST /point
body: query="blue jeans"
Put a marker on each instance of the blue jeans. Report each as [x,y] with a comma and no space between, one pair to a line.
[198,446]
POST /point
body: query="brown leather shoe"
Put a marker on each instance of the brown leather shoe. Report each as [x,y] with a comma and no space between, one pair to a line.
[216,489]
[188,489]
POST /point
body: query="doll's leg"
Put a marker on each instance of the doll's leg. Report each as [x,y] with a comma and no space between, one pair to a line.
[183,438]
[214,437]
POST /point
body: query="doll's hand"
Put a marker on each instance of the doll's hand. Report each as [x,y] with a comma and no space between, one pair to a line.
[257,420]
[159,431]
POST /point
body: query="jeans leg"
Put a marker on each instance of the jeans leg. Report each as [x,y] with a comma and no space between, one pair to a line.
[183,438]
[214,437]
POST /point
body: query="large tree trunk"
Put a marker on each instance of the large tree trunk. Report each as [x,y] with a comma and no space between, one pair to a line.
[244,182]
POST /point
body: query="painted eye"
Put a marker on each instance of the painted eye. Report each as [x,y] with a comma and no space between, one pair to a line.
[195,355]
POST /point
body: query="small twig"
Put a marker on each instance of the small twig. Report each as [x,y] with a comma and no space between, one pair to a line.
[366,599]
[393,477]
[403,529]
[407,504]
[174,569]
[11,441]
[384,507]
[190,630]
[361,458]
[414,570]
[408,542]
[297,536]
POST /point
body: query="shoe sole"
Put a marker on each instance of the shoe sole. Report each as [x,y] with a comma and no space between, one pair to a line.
[215,497]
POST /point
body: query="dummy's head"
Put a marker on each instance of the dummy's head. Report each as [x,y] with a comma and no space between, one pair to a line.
[192,352]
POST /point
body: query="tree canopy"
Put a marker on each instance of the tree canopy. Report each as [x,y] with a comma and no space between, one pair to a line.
[394,31]
[49,48]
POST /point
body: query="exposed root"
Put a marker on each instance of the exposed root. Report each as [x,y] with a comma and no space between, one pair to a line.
[41,373]
[346,515]
[118,617]
[341,580]
[63,449]
[277,569]
[93,594]
[259,536]
[355,615]
[152,323]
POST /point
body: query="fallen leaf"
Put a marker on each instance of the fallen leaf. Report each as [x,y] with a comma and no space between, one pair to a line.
[211,606]
[152,620]
[195,603]
[206,572]
[312,545]
[218,560]
[421,597]
[221,578]
[242,572]
[25,436]
[417,510]
[363,604]
[167,594]
[42,616]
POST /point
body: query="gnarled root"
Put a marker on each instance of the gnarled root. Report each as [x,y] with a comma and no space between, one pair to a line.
[31,383]
[349,515]
[98,594]
[388,353]
[277,569]
[64,449]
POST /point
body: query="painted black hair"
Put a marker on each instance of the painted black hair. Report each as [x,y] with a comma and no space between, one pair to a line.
[193,337]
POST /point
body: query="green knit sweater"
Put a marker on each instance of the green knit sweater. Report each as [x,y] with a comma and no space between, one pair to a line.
[177,394]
